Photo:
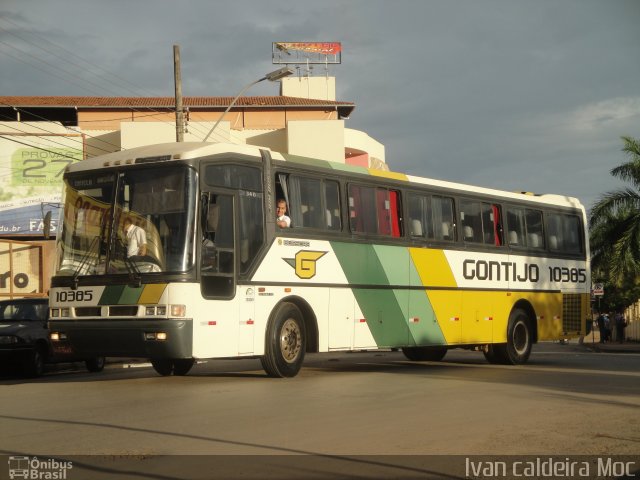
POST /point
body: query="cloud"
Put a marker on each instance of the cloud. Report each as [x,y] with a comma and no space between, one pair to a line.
[605,113]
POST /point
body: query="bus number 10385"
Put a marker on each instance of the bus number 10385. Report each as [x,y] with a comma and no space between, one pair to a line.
[566,275]
[74,296]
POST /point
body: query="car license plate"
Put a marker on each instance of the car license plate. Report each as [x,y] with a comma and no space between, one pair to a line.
[63,349]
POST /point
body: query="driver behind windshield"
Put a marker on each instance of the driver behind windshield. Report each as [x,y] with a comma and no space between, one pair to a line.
[135,239]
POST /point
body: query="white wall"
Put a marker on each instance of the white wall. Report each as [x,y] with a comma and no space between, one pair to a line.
[137,134]
[317,139]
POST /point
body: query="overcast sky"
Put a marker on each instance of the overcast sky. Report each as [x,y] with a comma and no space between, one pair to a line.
[513,94]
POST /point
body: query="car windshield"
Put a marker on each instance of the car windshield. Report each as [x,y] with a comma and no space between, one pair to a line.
[22,311]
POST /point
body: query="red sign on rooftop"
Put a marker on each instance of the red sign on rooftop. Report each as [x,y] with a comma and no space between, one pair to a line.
[306,52]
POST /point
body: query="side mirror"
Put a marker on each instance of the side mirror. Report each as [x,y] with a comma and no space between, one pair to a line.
[47,225]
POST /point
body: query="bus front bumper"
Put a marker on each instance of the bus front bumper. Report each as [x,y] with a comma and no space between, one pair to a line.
[167,338]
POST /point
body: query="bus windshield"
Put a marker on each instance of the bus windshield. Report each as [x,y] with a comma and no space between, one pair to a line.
[134,221]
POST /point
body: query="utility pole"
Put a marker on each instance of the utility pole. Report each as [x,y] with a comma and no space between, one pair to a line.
[178,83]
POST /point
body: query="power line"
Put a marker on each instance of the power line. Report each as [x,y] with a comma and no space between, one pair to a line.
[196,129]
[39,148]
[68,54]
[69,128]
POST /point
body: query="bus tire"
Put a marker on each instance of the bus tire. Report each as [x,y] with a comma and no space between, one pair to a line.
[424,354]
[163,366]
[182,366]
[519,339]
[285,342]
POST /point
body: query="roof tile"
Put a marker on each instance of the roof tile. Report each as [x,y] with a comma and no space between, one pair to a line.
[167,102]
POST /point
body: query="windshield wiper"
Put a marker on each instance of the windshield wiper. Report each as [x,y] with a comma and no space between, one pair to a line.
[134,273]
[83,262]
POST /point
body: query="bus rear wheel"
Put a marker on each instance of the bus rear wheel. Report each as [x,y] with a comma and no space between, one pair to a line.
[519,341]
[424,354]
[285,342]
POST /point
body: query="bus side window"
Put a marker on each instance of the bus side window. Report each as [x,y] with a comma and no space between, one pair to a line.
[315,203]
[416,215]
[384,219]
[471,221]
[444,225]
[362,218]
[516,227]
[332,204]
[535,232]
[564,233]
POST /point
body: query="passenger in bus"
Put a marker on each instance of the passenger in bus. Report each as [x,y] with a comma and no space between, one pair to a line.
[282,220]
[135,237]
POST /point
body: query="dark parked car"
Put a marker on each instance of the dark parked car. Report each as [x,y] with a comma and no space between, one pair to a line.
[24,337]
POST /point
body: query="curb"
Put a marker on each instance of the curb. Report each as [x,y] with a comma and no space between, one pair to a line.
[629,347]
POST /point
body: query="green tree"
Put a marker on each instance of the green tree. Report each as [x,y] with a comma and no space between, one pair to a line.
[615,224]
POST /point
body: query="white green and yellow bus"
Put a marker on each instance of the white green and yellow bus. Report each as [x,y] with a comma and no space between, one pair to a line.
[372,260]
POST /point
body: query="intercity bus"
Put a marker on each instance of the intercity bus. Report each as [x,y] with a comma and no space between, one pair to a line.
[372,260]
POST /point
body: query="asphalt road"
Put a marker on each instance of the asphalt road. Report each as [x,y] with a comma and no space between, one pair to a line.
[566,401]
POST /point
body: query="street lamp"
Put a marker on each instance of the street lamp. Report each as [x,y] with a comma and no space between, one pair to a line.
[271,76]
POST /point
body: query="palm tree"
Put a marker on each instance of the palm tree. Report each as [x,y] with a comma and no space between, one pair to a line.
[615,222]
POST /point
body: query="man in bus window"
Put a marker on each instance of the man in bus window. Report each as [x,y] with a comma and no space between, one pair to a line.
[282,220]
[135,237]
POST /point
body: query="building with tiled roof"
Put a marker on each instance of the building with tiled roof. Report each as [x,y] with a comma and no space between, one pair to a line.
[39,135]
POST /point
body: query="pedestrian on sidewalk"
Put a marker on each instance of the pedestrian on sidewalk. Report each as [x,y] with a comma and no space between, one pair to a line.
[607,327]
[620,324]
[602,327]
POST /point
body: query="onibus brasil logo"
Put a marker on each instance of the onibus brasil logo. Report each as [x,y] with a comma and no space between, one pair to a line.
[34,468]
[304,263]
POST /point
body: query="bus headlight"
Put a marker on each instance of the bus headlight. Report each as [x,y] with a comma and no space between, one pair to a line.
[60,312]
[158,336]
[161,310]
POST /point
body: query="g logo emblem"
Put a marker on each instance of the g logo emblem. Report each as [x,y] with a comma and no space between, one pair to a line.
[304,263]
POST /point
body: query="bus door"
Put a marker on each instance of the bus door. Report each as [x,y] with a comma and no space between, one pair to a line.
[218,267]
[217,259]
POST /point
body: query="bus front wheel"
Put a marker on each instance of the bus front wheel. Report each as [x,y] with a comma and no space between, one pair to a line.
[285,342]
[182,366]
[168,366]
[163,366]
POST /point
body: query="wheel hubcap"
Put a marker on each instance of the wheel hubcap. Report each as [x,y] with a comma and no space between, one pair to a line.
[520,338]
[290,338]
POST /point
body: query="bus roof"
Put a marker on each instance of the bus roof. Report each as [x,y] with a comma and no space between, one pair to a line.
[192,150]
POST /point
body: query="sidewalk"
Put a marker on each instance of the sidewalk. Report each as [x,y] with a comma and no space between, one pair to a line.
[592,342]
